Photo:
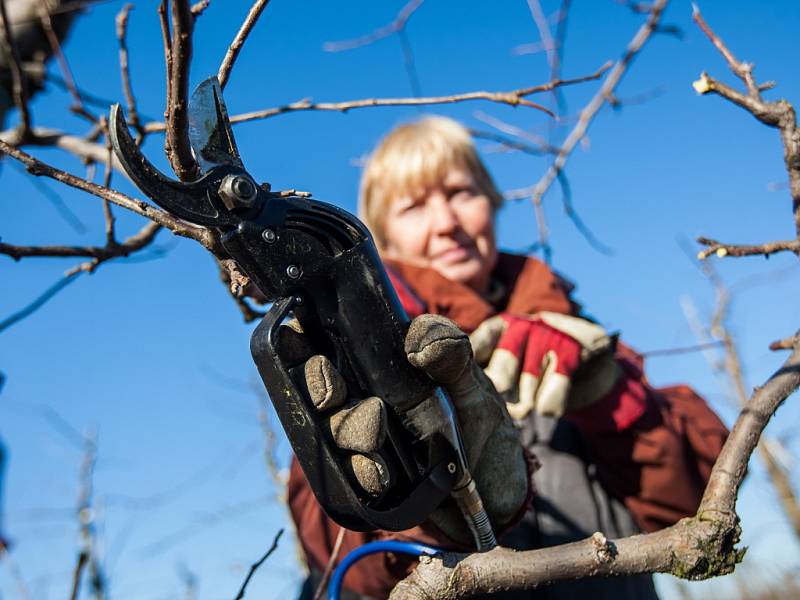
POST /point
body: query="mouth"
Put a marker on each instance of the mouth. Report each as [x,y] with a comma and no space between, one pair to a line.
[453,255]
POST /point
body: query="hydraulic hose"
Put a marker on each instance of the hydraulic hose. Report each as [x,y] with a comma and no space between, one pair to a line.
[335,586]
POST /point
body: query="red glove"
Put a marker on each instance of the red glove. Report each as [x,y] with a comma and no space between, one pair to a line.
[532,359]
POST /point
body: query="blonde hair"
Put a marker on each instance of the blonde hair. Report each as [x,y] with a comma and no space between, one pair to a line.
[414,157]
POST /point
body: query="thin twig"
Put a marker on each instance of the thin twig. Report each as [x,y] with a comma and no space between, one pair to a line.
[140,207]
[19,83]
[238,41]
[254,567]
[682,349]
[56,201]
[592,108]
[59,285]
[141,239]
[722,250]
[52,39]
[382,32]
[742,70]
[779,114]
[326,574]
[513,98]
[111,240]
[127,88]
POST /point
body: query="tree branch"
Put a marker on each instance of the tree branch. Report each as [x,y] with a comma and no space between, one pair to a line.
[127,88]
[19,84]
[176,144]
[513,98]
[238,41]
[140,207]
[254,567]
[395,26]
[144,237]
[779,114]
[723,250]
[695,548]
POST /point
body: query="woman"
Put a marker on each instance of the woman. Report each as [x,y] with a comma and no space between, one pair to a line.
[617,455]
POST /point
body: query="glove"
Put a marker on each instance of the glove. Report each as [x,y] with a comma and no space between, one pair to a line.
[548,362]
[491,442]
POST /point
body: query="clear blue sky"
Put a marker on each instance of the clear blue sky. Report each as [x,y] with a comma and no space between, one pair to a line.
[152,354]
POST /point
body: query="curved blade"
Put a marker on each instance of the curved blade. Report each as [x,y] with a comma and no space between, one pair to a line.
[210,133]
[187,201]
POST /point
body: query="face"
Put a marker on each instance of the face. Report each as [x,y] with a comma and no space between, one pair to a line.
[449,228]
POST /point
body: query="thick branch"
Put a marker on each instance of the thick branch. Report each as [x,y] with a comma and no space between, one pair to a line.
[176,144]
[729,470]
[237,43]
[694,548]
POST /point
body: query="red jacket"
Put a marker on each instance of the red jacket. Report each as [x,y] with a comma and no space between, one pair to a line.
[655,455]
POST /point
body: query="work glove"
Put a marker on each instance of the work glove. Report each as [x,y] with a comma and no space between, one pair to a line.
[491,442]
[548,362]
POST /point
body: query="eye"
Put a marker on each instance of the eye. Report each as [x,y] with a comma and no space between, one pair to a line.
[462,193]
[409,208]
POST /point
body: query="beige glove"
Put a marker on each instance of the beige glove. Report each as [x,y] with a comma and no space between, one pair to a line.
[494,451]
[549,362]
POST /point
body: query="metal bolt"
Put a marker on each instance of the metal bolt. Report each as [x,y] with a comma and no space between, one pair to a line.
[293,271]
[451,468]
[298,300]
[237,191]
[269,236]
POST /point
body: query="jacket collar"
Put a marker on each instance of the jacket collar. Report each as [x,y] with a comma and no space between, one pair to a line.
[522,285]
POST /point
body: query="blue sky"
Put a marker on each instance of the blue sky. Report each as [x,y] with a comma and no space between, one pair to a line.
[153,356]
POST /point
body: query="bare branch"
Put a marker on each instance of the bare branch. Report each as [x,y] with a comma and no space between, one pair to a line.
[257,564]
[54,289]
[198,8]
[47,26]
[144,237]
[694,548]
[395,26]
[326,574]
[784,344]
[742,70]
[166,40]
[140,207]
[588,113]
[238,41]
[723,250]
[176,144]
[111,240]
[127,89]
[682,349]
[19,84]
[513,98]
[779,114]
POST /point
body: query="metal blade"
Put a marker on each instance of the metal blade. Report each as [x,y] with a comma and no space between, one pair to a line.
[187,201]
[210,133]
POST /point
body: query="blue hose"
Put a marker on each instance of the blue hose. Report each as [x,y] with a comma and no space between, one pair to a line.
[335,587]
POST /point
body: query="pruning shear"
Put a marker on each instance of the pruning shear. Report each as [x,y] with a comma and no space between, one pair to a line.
[319,263]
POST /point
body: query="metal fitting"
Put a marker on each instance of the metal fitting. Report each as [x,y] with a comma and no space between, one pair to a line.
[293,271]
[269,236]
[237,191]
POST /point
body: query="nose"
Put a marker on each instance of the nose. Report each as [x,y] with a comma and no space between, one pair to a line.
[443,219]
